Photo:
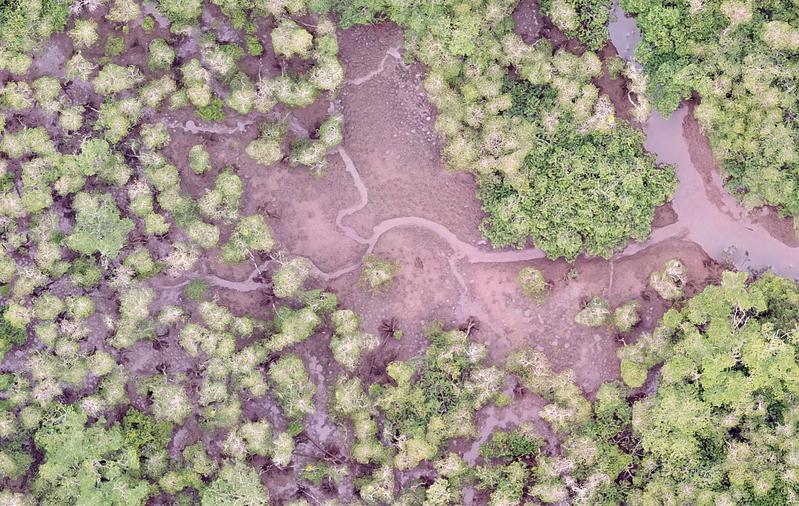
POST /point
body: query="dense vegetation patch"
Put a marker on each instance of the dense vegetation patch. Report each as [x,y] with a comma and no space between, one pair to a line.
[742,59]
[722,425]
[24,24]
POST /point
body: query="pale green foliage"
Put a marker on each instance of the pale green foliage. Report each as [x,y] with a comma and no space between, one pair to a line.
[595,314]
[584,19]
[156,91]
[84,32]
[351,402]
[669,281]
[532,283]
[112,79]
[450,386]
[312,152]
[265,94]
[17,96]
[295,91]
[134,316]
[719,410]
[268,148]
[182,13]
[205,235]
[160,55]
[140,261]
[154,136]
[626,317]
[47,91]
[290,39]
[242,94]
[739,58]
[181,259]
[379,489]
[327,73]
[98,227]
[47,306]
[568,407]
[222,203]
[257,438]
[79,306]
[309,152]
[78,67]
[251,234]
[293,326]
[331,131]
[222,60]
[291,386]
[289,279]
[199,159]
[71,118]
[553,161]
[196,79]
[237,484]
[637,83]
[377,273]
[170,401]
[123,11]
[27,141]
[70,473]
[349,342]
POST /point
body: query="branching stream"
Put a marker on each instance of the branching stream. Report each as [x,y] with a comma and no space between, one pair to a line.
[715,228]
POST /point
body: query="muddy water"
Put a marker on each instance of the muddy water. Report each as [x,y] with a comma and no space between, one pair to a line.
[707,214]
[623,32]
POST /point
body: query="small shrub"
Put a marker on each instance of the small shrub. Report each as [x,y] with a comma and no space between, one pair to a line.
[626,317]
[98,227]
[292,387]
[84,33]
[254,46]
[595,314]
[11,333]
[532,283]
[182,13]
[114,46]
[154,136]
[669,281]
[251,235]
[290,39]
[199,159]
[160,55]
[140,261]
[289,279]
[196,289]
[148,24]
[349,342]
[268,148]
[170,401]
[376,273]
[113,79]
[211,112]
[236,483]
[295,91]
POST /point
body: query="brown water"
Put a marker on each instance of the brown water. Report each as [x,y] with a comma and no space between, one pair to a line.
[707,214]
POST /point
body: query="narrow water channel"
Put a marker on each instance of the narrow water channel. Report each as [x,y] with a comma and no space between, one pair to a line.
[721,226]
